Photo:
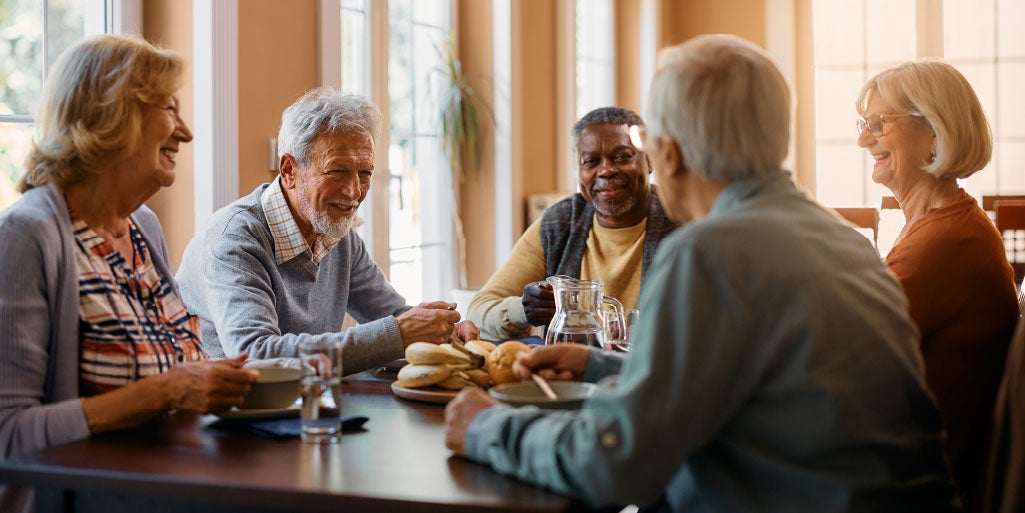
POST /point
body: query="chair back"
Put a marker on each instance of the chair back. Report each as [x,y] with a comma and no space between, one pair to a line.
[1005,477]
[989,202]
[889,203]
[862,217]
[1010,221]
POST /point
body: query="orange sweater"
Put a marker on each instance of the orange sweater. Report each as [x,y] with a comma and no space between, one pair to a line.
[961,292]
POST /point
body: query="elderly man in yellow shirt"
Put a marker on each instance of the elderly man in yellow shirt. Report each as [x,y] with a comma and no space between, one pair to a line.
[608,232]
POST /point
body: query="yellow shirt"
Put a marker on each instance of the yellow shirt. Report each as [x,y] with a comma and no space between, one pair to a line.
[613,256]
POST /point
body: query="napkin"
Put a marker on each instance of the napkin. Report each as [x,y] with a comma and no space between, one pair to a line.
[278,429]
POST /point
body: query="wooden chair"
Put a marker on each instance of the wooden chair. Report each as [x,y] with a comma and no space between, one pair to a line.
[1010,220]
[863,217]
[988,202]
[889,203]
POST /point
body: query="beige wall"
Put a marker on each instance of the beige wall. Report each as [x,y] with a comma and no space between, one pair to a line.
[477,196]
[683,19]
[277,63]
[169,23]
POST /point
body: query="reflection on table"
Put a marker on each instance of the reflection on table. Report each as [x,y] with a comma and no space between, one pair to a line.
[399,461]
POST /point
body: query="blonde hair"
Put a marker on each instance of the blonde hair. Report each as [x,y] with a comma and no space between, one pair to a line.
[725,103]
[940,94]
[92,104]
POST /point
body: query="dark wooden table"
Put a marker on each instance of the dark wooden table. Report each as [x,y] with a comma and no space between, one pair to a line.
[397,463]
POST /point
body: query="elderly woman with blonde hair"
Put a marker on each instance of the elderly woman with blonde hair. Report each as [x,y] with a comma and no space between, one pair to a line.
[93,333]
[925,128]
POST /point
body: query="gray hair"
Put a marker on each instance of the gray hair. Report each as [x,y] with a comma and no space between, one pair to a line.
[725,103]
[939,93]
[604,115]
[325,110]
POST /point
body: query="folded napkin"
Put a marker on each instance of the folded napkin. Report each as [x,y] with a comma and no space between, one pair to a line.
[278,429]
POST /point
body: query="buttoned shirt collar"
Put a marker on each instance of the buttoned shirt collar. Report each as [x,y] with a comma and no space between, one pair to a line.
[288,240]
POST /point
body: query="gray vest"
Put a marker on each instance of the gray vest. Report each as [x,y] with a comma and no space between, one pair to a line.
[566,225]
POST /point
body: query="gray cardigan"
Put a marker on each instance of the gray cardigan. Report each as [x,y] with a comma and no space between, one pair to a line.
[246,301]
[39,402]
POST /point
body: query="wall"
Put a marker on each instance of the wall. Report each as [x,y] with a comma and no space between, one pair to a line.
[477,195]
[277,63]
[169,23]
[683,19]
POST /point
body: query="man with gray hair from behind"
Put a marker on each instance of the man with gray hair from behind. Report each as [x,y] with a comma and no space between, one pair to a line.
[281,265]
[774,367]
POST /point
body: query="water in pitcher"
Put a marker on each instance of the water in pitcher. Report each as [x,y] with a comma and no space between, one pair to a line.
[588,337]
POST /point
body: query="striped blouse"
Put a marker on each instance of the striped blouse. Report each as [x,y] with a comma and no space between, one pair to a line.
[132,323]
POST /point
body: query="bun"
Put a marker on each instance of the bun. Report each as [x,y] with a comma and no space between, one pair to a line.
[500,366]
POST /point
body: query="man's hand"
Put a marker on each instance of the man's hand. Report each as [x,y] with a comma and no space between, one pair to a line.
[460,412]
[539,303]
[429,322]
[559,362]
[466,331]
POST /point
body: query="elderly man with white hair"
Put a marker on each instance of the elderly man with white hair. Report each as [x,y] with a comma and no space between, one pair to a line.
[280,265]
[774,369]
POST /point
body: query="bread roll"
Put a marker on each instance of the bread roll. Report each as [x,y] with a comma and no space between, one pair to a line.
[500,366]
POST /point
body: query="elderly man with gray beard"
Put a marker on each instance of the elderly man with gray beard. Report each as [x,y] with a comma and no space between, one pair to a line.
[280,265]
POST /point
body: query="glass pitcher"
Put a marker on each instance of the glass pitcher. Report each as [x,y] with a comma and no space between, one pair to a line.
[578,312]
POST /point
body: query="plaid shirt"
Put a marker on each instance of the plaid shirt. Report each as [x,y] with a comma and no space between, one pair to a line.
[131,322]
[288,240]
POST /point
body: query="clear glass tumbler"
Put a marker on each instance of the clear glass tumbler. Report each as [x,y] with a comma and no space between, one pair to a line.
[321,391]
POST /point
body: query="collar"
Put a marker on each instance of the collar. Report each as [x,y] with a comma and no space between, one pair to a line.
[288,240]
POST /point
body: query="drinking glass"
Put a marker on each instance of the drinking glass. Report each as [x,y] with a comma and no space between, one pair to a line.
[620,328]
[321,391]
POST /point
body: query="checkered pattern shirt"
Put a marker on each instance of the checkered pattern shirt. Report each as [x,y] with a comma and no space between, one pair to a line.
[288,240]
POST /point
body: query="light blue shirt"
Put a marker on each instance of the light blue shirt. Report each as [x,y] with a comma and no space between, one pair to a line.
[774,369]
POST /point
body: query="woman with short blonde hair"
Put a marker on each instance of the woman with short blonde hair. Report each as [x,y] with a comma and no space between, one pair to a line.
[925,128]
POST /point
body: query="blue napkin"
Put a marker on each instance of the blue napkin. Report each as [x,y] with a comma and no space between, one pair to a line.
[278,429]
[532,340]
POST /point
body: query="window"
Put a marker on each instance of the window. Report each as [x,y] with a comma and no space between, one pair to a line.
[855,39]
[595,80]
[32,34]
[417,223]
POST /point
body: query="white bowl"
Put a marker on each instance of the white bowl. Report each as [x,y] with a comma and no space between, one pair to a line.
[571,394]
[276,388]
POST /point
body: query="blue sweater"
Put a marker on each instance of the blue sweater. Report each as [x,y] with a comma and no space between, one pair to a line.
[246,301]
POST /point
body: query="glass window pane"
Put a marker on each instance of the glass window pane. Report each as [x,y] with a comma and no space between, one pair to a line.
[428,77]
[21,59]
[15,140]
[65,26]
[840,175]
[400,78]
[1011,42]
[838,31]
[891,31]
[968,29]
[399,10]
[595,82]
[1011,155]
[1010,118]
[353,4]
[835,96]
[431,12]
[355,69]
[983,81]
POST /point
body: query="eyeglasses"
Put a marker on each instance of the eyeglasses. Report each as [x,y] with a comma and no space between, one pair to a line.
[875,122]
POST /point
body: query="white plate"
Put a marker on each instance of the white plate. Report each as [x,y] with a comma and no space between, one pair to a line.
[276,413]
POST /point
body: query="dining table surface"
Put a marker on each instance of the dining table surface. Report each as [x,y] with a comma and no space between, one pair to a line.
[397,462]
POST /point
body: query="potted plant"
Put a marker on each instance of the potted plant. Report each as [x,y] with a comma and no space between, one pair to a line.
[462,113]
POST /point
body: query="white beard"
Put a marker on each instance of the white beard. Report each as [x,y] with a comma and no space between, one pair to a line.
[322,222]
